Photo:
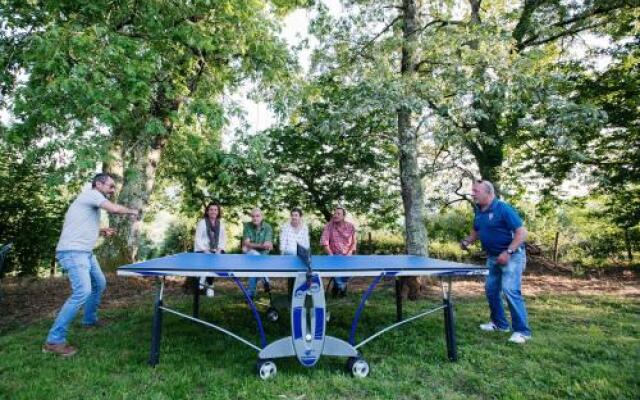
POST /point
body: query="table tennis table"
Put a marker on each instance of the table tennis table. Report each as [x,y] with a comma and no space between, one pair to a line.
[308,340]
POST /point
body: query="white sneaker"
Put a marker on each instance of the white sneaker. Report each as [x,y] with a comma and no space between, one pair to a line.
[491,327]
[519,338]
[210,292]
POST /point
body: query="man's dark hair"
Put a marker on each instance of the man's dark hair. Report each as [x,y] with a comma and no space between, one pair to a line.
[102,177]
[296,209]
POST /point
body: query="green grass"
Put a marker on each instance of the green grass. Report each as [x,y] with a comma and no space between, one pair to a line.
[583,347]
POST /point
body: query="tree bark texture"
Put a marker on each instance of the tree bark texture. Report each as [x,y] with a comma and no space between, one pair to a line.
[410,181]
[139,165]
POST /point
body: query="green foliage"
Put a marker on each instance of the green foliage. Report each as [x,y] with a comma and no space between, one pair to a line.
[451,224]
[335,149]
[239,180]
[587,236]
[31,213]
[497,85]
[490,81]
[178,238]
[591,238]
[614,154]
[379,242]
[147,249]
[126,71]
[110,82]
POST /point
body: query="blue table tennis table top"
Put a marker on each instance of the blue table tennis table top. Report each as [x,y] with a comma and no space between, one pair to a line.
[286,266]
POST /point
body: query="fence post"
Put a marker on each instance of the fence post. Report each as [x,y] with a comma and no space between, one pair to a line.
[627,242]
[555,248]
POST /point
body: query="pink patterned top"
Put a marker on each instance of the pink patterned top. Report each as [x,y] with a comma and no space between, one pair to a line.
[341,238]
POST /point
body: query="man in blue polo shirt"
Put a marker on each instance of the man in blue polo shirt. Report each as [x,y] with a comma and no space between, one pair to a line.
[502,235]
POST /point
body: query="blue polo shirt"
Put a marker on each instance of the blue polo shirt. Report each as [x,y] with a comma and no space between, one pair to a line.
[495,226]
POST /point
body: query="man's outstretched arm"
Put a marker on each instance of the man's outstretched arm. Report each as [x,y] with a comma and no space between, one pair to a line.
[113,208]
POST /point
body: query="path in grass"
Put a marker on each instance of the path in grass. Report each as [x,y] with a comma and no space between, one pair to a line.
[584,346]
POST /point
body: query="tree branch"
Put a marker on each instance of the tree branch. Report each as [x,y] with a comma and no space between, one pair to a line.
[386,28]
[440,22]
[532,42]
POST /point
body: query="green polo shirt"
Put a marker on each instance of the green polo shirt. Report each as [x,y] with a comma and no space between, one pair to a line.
[259,235]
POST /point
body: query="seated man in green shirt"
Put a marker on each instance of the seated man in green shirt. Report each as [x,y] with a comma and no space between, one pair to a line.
[257,239]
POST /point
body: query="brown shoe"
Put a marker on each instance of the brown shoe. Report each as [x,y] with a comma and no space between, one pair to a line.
[98,324]
[62,349]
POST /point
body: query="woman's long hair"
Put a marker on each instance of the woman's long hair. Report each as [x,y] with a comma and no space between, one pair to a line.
[212,204]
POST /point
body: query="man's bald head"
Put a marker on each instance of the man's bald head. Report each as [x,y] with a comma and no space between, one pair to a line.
[256,216]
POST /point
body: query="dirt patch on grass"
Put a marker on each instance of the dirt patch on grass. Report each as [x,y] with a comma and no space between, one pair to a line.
[27,300]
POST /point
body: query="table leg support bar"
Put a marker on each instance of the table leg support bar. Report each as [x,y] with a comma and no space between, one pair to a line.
[214,326]
[397,324]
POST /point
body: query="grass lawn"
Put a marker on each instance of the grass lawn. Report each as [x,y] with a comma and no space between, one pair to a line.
[585,347]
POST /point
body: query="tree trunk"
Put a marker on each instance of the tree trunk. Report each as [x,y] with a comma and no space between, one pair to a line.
[140,164]
[627,242]
[410,183]
[555,249]
[114,164]
[488,157]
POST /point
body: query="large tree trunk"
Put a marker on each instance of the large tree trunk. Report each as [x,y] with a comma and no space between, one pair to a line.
[489,156]
[140,163]
[114,163]
[140,160]
[411,185]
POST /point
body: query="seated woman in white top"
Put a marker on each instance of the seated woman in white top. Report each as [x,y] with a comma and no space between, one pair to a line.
[293,233]
[210,237]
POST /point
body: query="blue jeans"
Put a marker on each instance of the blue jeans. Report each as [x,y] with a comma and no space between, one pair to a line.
[507,279]
[87,284]
[253,282]
[341,282]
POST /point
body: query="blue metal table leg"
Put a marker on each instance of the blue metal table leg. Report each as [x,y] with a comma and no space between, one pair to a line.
[256,315]
[196,297]
[156,328]
[449,324]
[399,284]
[356,317]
